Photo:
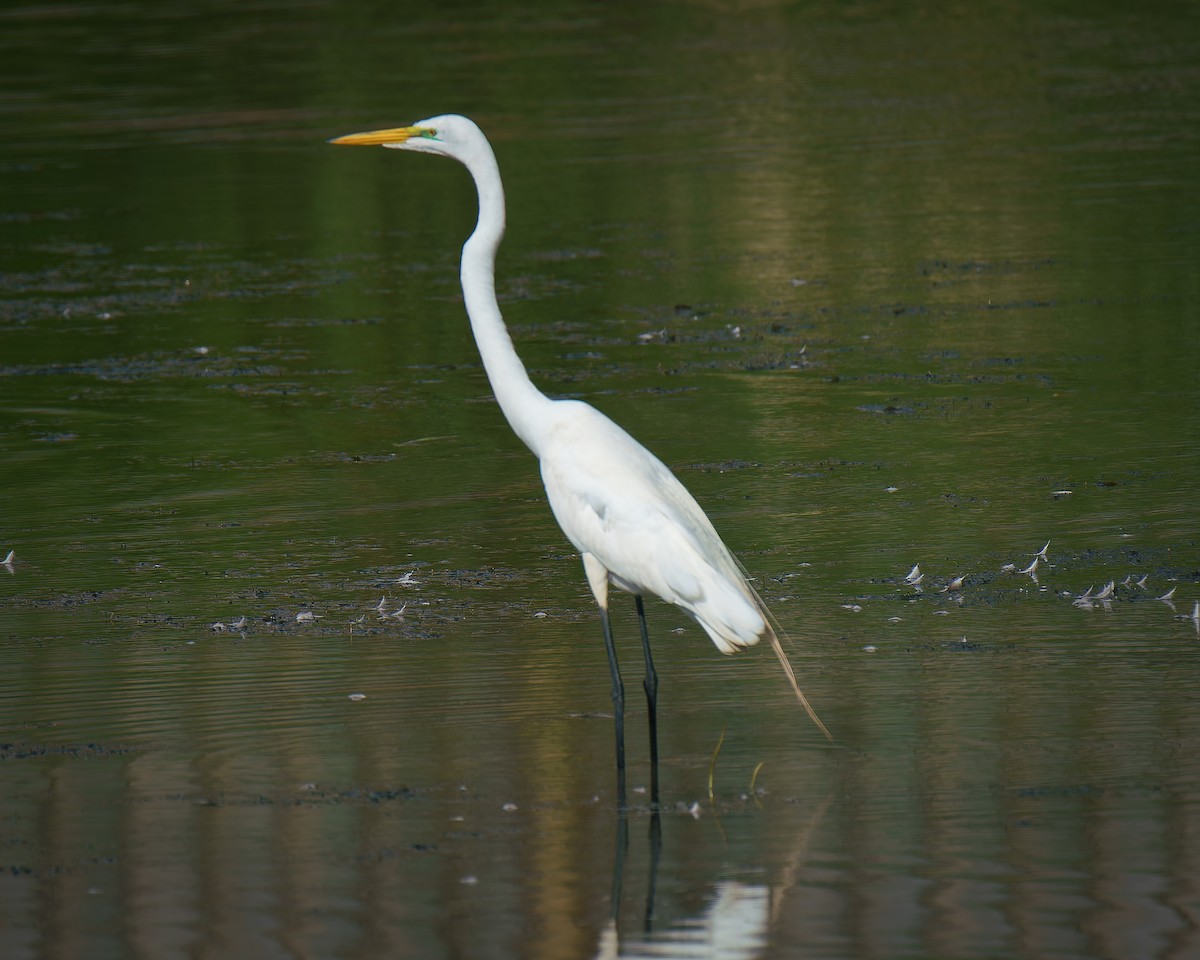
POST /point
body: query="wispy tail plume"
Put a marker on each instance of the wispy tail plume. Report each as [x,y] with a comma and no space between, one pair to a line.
[791,675]
[773,632]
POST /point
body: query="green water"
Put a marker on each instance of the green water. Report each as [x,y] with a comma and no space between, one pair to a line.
[883,285]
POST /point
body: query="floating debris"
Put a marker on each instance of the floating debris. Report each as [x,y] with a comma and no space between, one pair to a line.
[1193,617]
[381,609]
[356,697]
[852,607]
[306,616]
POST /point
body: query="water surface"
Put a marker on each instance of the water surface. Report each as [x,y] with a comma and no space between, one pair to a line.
[885,287]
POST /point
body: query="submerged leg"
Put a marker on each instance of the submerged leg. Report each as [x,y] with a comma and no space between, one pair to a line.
[619,868]
[650,685]
[618,699]
[652,880]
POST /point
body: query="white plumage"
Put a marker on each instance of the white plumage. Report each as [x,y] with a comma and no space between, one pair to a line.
[629,516]
[635,525]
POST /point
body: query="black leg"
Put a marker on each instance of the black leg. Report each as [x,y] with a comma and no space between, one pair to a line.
[618,699]
[650,684]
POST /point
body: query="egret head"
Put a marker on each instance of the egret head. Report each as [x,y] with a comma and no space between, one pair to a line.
[449,135]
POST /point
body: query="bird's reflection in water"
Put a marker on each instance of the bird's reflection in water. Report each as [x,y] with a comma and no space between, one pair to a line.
[733,925]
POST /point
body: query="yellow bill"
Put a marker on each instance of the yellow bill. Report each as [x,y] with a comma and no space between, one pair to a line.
[376,138]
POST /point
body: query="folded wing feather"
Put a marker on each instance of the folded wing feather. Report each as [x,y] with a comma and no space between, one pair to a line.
[618,502]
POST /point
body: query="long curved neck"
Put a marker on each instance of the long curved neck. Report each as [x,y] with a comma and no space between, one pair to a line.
[523,405]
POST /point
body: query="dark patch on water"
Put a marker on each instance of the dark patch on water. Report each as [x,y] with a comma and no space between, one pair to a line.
[72,751]
[305,798]
[726,466]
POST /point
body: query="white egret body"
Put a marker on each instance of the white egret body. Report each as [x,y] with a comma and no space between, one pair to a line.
[635,525]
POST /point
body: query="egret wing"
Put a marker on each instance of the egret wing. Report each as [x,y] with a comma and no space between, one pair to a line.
[617,501]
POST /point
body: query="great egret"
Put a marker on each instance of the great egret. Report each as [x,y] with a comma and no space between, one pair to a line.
[635,525]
